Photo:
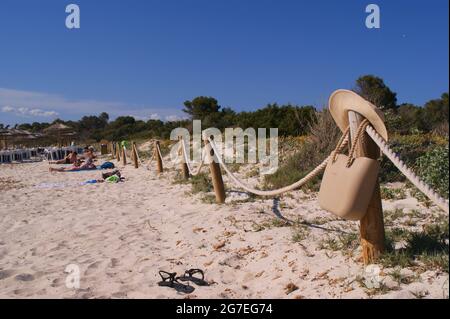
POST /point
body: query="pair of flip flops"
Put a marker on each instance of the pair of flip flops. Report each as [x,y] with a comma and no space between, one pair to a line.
[170,279]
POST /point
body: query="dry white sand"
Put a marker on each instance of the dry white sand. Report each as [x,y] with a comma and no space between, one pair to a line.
[120,235]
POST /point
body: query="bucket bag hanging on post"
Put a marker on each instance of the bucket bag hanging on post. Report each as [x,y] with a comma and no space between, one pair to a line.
[348,182]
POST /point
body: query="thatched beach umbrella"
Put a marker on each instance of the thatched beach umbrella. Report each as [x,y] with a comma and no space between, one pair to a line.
[14,135]
[4,135]
[61,130]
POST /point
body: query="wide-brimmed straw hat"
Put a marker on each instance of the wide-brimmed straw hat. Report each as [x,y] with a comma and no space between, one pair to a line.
[343,101]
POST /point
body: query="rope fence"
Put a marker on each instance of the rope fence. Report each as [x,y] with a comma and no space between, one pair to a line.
[409,174]
[372,225]
[379,141]
[187,161]
[316,171]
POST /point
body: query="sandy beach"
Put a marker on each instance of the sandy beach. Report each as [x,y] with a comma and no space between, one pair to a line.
[120,236]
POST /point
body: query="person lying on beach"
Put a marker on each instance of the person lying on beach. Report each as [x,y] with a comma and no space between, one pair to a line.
[110,177]
[87,165]
[71,158]
[92,150]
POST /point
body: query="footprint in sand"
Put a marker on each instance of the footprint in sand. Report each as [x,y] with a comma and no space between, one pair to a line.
[84,293]
[6,273]
[119,295]
[56,282]
[24,277]
[22,292]
[3,253]
[114,262]
[33,251]
[92,268]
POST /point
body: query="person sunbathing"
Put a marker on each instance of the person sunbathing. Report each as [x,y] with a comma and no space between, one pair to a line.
[71,158]
[78,166]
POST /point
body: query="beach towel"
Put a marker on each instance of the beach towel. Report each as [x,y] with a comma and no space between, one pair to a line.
[107,165]
[92,181]
[113,179]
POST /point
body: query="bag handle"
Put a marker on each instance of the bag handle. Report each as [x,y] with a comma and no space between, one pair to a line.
[359,133]
[339,144]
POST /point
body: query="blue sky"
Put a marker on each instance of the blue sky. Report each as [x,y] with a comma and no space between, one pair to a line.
[146,57]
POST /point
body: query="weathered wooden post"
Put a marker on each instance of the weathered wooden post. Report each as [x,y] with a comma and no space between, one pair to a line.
[124,155]
[135,156]
[184,167]
[216,174]
[103,149]
[372,225]
[118,152]
[132,152]
[159,163]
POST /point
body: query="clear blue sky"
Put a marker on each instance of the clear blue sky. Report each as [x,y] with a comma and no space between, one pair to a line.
[145,57]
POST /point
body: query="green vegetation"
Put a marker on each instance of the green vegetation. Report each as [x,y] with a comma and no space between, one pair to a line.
[419,134]
[428,249]
[346,243]
[299,234]
[324,135]
[290,119]
[401,278]
[392,193]
[414,131]
[209,199]
[379,289]
[373,89]
[201,183]
[271,223]
[433,167]
[410,148]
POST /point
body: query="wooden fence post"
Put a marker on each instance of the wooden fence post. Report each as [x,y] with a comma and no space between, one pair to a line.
[118,152]
[216,175]
[131,152]
[372,224]
[124,155]
[159,163]
[135,156]
[184,167]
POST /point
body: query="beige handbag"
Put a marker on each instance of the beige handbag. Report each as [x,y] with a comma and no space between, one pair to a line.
[348,182]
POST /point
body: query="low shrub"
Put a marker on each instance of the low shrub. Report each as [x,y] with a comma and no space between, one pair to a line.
[322,140]
[409,148]
[433,167]
[201,183]
[427,248]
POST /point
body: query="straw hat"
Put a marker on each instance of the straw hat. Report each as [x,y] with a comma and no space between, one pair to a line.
[342,101]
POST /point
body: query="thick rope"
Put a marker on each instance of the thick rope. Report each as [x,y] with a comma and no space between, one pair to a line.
[395,159]
[177,161]
[188,164]
[410,175]
[147,166]
[337,150]
[358,136]
[316,171]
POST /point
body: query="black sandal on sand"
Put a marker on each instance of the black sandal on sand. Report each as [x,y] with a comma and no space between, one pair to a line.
[169,279]
[189,276]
